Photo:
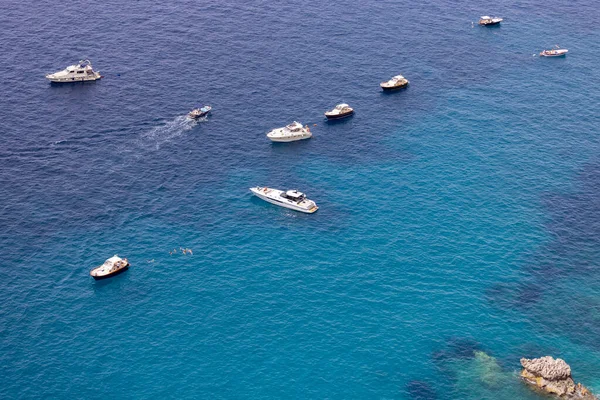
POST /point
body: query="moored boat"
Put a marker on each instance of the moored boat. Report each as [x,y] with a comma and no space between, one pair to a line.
[340,111]
[397,82]
[292,199]
[80,72]
[489,21]
[558,52]
[111,267]
[290,133]
[199,112]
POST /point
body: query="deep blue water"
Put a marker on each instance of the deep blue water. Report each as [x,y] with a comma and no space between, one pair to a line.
[459,215]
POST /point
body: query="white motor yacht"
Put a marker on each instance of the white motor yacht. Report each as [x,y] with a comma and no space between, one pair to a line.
[290,133]
[111,267]
[292,199]
[488,21]
[340,111]
[80,72]
[397,82]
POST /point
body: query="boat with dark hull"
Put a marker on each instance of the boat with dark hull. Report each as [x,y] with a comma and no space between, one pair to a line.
[199,112]
[340,111]
[489,21]
[397,82]
[111,267]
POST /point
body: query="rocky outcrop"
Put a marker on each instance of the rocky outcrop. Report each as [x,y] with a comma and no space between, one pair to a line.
[548,368]
[553,376]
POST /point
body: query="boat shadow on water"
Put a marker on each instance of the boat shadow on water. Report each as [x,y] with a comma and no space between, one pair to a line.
[339,121]
[73,83]
[394,91]
[495,26]
[79,88]
[118,278]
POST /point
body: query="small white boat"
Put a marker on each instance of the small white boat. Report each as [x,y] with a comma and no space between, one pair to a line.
[488,21]
[558,52]
[80,72]
[290,133]
[292,199]
[111,267]
[199,112]
[340,111]
[397,82]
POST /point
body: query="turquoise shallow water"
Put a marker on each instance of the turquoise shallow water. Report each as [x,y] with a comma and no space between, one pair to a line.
[456,216]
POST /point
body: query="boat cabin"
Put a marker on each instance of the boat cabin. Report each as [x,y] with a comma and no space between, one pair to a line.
[293,195]
[294,126]
[112,264]
[395,80]
[83,67]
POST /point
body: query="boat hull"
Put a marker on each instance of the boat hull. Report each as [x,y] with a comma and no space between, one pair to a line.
[391,88]
[198,116]
[110,275]
[489,23]
[553,55]
[288,139]
[261,196]
[339,116]
[74,80]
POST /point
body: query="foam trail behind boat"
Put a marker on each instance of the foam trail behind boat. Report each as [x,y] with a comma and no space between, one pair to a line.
[167,132]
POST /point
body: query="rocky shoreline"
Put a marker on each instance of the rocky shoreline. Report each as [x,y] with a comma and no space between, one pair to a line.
[553,376]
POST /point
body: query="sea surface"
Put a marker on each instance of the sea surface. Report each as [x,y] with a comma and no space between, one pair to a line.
[459,220]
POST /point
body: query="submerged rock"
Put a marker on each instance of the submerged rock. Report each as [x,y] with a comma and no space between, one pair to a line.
[553,376]
[419,390]
[456,349]
[490,373]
